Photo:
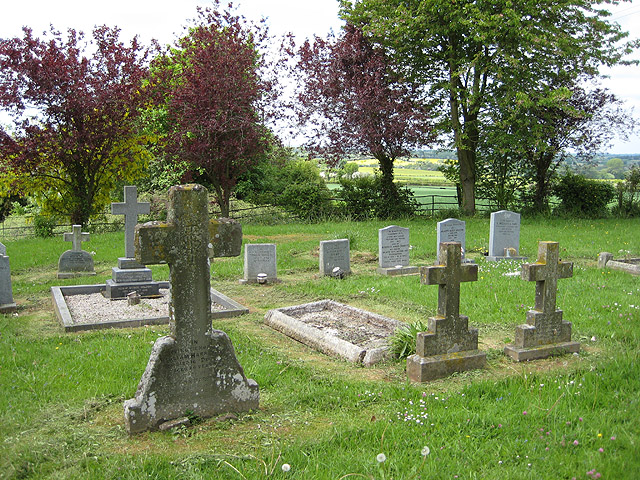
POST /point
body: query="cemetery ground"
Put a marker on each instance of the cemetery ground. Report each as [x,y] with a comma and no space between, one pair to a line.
[576,416]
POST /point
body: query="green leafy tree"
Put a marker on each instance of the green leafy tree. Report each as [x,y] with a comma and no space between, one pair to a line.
[464,51]
[76,108]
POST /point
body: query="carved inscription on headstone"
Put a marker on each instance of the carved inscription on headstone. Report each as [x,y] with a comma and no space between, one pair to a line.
[334,254]
[504,236]
[451,230]
[75,261]
[260,258]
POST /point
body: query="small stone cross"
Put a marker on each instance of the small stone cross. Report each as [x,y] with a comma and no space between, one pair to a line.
[76,237]
[130,208]
[449,345]
[448,277]
[448,330]
[545,333]
[546,272]
[194,368]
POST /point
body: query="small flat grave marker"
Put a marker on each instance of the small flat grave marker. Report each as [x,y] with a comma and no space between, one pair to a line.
[76,261]
[6,293]
[335,254]
[449,345]
[504,236]
[260,258]
[545,333]
[393,251]
[194,369]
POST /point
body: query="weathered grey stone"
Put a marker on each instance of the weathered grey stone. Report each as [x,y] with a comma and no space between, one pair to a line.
[260,258]
[393,251]
[504,236]
[194,369]
[544,333]
[117,291]
[335,329]
[75,262]
[130,208]
[226,237]
[6,292]
[449,345]
[603,258]
[451,230]
[128,275]
[335,253]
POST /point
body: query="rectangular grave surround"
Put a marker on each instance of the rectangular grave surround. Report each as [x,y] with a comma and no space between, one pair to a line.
[230,308]
[336,329]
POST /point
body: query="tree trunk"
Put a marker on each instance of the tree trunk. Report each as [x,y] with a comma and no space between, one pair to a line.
[388,192]
[467,163]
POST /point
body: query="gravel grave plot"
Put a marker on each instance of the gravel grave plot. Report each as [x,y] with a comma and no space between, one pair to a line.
[95,308]
[354,329]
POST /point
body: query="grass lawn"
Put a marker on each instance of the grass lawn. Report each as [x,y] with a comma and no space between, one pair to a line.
[61,408]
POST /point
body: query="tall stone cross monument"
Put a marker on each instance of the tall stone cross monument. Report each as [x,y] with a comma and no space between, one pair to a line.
[194,369]
[545,333]
[449,345]
[130,208]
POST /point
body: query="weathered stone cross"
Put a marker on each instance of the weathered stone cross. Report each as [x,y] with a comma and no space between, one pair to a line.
[195,368]
[130,208]
[449,345]
[545,333]
[76,237]
[546,272]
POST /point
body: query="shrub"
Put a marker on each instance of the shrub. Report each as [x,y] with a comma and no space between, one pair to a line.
[627,193]
[43,226]
[581,196]
[403,341]
[361,198]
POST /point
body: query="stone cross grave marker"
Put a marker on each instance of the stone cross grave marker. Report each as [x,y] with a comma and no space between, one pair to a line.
[335,254]
[449,345]
[6,293]
[76,261]
[504,236]
[129,276]
[130,208]
[260,259]
[194,369]
[545,333]
[393,251]
[451,230]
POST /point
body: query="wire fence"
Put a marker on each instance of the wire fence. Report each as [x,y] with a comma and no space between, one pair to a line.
[29,225]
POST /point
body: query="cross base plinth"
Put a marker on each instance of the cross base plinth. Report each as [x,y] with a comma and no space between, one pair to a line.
[203,380]
[425,369]
[396,271]
[520,354]
[117,291]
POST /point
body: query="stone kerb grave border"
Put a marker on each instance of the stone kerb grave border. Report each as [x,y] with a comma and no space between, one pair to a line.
[629,265]
[284,320]
[231,308]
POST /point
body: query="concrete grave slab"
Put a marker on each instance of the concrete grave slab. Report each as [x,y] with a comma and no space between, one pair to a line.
[337,330]
[222,307]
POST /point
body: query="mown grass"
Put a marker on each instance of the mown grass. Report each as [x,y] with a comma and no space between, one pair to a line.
[61,413]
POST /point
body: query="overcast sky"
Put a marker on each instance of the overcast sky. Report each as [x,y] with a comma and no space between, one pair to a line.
[163,20]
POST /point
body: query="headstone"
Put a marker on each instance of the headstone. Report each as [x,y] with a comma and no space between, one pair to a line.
[76,261]
[545,333]
[6,293]
[129,276]
[504,236]
[451,230]
[260,258]
[449,345]
[393,251]
[194,369]
[334,254]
